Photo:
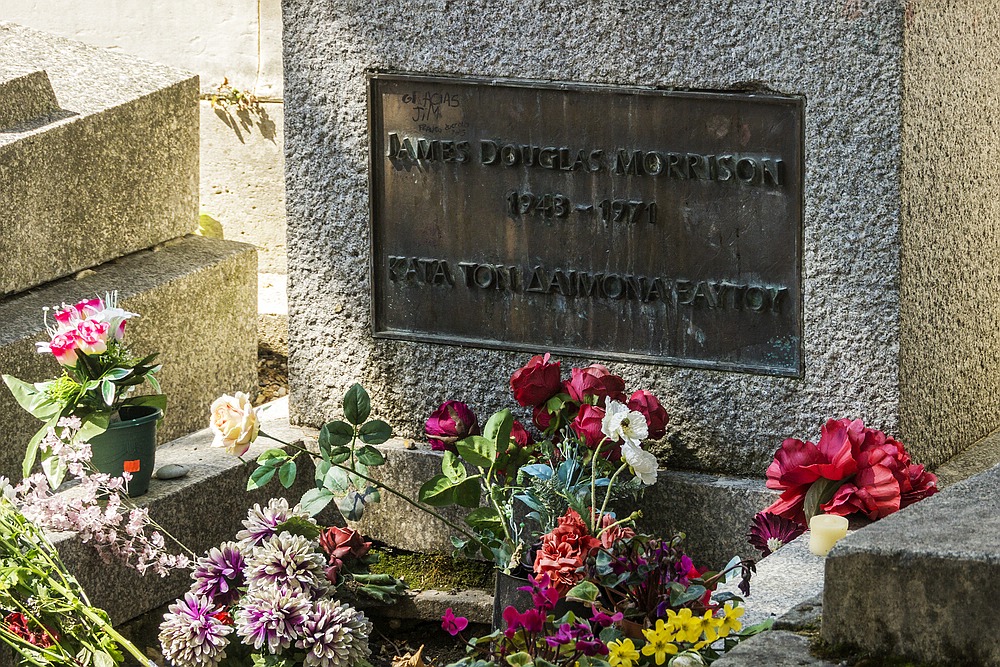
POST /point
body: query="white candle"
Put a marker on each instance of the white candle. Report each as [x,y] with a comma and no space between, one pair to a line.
[824,531]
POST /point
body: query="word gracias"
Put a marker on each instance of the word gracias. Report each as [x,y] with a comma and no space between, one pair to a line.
[571,283]
[749,169]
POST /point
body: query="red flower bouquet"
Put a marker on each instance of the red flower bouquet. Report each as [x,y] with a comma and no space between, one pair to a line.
[852,470]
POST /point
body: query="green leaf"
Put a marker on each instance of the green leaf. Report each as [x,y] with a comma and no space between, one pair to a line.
[498,430]
[108,392]
[484,518]
[352,506]
[336,480]
[314,500]
[585,591]
[154,400]
[286,474]
[298,525]
[322,467]
[357,405]
[340,454]
[819,493]
[102,659]
[335,434]
[34,401]
[117,373]
[272,456]
[467,493]
[438,491]
[95,423]
[477,450]
[375,432]
[55,470]
[31,453]
[260,477]
[154,383]
[453,468]
[370,456]
[519,659]
[89,365]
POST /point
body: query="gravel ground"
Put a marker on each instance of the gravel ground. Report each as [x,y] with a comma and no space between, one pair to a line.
[272,373]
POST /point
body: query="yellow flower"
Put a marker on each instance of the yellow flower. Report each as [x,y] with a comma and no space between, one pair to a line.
[622,653]
[700,625]
[730,620]
[679,620]
[659,642]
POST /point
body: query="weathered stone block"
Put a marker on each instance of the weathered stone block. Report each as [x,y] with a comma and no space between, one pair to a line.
[901,306]
[113,172]
[25,97]
[920,583]
[197,300]
[777,648]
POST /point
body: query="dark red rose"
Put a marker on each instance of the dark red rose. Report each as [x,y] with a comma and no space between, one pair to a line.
[343,543]
[537,381]
[594,384]
[656,417]
[920,485]
[450,423]
[520,435]
[587,425]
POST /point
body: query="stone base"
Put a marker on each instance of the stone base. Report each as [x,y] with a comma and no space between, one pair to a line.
[921,583]
[196,300]
[113,170]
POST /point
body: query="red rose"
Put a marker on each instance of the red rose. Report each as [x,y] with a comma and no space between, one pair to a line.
[343,543]
[564,551]
[919,485]
[520,435]
[537,381]
[594,384]
[587,425]
[656,417]
[451,422]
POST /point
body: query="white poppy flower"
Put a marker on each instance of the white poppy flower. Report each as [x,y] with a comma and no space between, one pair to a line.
[622,424]
[642,463]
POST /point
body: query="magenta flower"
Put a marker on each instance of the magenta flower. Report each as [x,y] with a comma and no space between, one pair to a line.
[605,620]
[191,635]
[532,620]
[453,624]
[769,532]
[450,423]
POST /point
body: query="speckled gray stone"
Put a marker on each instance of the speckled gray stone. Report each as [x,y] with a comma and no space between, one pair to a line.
[776,648]
[171,471]
[923,582]
[25,97]
[113,171]
[196,298]
[901,305]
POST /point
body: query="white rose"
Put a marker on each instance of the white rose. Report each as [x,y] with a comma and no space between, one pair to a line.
[234,423]
[643,463]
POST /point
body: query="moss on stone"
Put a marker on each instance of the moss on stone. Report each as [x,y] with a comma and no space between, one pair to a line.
[434,571]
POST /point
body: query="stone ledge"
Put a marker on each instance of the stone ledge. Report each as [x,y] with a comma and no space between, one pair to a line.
[919,583]
[25,97]
[430,605]
[191,295]
[114,171]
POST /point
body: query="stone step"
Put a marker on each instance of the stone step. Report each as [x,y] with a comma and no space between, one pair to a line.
[921,583]
[112,170]
[196,298]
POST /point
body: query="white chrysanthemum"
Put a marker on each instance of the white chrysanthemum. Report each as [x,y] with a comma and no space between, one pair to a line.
[334,635]
[191,636]
[643,463]
[262,522]
[623,425]
[287,561]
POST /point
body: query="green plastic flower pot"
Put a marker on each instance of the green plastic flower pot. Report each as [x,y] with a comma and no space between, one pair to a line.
[129,445]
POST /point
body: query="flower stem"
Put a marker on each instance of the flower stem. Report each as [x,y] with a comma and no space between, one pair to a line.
[377,483]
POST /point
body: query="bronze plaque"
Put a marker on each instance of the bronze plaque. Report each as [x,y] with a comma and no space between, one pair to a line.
[617,223]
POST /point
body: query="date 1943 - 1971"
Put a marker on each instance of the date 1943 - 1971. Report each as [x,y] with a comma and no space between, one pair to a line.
[555,205]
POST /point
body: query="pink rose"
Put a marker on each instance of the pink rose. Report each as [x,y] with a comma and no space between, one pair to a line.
[451,422]
[92,336]
[587,425]
[594,384]
[536,382]
[63,348]
[234,423]
[656,417]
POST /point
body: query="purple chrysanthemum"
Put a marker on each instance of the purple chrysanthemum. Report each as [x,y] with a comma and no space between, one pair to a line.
[272,618]
[335,635]
[191,636]
[769,532]
[219,574]
[262,522]
[289,561]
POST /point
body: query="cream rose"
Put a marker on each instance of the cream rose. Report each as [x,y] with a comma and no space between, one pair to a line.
[234,423]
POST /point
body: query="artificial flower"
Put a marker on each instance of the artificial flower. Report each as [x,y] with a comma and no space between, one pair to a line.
[769,532]
[536,382]
[451,422]
[344,543]
[730,621]
[334,635]
[262,522]
[520,435]
[643,463]
[287,561]
[648,405]
[587,425]
[620,424]
[564,551]
[594,384]
[659,642]
[234,423]
[219,574]
[272,618]
[191,636]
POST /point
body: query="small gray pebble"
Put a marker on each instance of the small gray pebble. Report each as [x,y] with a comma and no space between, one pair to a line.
[171,471]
